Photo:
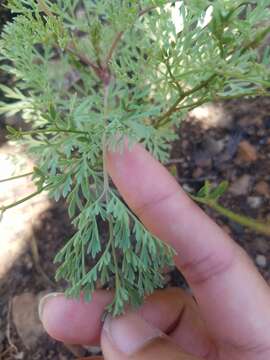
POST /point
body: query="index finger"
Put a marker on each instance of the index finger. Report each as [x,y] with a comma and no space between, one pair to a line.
[221,275]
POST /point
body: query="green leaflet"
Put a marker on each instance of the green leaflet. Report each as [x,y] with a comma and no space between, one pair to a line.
[140,258]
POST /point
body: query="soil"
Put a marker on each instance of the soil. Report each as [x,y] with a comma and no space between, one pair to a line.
[216,154]
[203,152]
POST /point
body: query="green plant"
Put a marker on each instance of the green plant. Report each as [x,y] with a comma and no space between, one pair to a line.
[93,74]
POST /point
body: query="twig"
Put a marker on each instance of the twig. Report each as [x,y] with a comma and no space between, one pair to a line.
[83,58]
[48,131]
[175,82]
[113,47]
[174,107]
[120,35]
[263,228]
[146,10]
[206,99]
[104,144]
[17,177]
[43,7]
[21,201]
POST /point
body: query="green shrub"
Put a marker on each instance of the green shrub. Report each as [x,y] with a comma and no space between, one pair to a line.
[90,74]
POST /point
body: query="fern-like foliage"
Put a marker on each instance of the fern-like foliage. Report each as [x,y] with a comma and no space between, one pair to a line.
[93,74]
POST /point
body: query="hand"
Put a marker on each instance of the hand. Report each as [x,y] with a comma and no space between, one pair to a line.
[230,319]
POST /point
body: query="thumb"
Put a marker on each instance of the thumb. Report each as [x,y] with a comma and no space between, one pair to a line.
[130,337]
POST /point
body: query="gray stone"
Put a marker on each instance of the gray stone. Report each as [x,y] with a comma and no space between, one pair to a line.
[254,201]
[261,261]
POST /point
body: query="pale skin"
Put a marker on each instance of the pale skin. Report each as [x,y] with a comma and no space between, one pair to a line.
[230,319]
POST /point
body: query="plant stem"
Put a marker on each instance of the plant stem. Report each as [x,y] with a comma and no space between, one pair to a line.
[107,189]
[113,47]
[256,92]
[174,107]
[117,276]
[83,58]
[48,131]
[120,34]
[104,143]
[71,48]
[194,105]
[246,221]
[174,81]
[146,10]
[43,7]
[16,177]
[4,208]
[208,99]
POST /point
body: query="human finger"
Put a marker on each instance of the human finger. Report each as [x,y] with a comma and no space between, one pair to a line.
[221,275]
[171,310]
[130,337]
[175,313]
[74,321]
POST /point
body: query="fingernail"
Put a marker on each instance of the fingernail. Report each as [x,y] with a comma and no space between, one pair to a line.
[44,300]
[130,333]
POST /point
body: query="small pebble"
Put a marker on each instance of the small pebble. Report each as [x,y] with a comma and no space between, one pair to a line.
[241,185]
[247,152]
[261,261]
[187,188]
[198,172]
[262,188]
[254,201]
[94,350]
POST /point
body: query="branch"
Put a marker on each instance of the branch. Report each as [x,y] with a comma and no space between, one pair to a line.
[43,7]
[263,228]
[187,106]
[175,82]
[113,47]
[146,10]
[5,208]
[174,107]
[83,58]
[207,99]
[48,131]
[255,92]
[16,177]
[102,72]
[120,35]
[257,40]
